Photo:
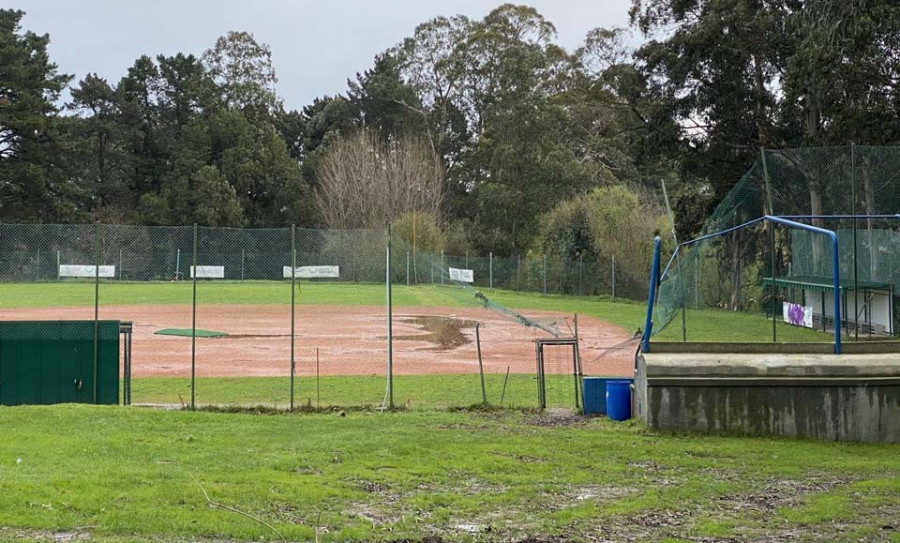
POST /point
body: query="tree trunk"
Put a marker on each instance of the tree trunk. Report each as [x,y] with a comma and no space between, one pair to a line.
[815,185]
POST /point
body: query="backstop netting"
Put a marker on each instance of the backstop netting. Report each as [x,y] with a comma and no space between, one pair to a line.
[717,288]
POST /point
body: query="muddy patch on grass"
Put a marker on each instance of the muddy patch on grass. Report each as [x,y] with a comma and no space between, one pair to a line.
[556,417]
[444,333]
[777,494]
[573,495]
[754,511]
[44,535]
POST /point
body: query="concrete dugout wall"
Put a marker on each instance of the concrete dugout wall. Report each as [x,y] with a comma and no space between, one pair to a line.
[853,397]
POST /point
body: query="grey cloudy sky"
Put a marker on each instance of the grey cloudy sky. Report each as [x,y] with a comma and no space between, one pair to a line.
[316,45]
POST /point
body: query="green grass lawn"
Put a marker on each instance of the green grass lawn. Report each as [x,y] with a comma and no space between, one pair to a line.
[707,325]
[358,391]
[127,474]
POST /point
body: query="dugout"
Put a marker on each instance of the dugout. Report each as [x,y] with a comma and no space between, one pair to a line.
[866,306]
[49,362]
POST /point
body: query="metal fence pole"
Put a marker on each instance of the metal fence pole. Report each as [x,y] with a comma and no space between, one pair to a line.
[242,258]
[442,267]
[96,307]
[518,269]
[293,308]
[581,274]
[774,287]
[491,269]
[407,268]
[480,363]
[613,277]
[390,324]
[120,264]
[545,274]
[194,324]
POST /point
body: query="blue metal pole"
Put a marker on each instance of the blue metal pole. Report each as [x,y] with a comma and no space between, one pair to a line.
[651,298]
[835,266]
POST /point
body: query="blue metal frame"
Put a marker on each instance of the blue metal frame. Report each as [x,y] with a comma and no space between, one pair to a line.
[654,282]
[835,267]
[656,277]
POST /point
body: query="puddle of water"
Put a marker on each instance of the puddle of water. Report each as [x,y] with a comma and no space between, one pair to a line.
[443,332]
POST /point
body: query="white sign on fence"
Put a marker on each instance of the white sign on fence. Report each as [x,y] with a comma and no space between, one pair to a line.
[463,276]
[209,272]
[313,272]
[798,315]
[89,271]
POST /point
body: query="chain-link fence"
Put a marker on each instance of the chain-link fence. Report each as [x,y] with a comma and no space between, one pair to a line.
[718,288]
[305,318]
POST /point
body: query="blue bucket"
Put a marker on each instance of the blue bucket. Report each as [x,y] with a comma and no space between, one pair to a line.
[618,399]
[594,389]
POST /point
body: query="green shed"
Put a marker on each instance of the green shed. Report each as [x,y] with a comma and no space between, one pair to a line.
[48,362]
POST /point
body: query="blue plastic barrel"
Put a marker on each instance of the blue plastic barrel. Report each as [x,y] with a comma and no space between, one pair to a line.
[618,399]
[594,389]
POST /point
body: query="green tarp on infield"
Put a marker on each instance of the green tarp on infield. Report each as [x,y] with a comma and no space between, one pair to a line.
[186,332]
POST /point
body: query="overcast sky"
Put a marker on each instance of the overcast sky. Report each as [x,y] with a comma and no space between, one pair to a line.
[316,45]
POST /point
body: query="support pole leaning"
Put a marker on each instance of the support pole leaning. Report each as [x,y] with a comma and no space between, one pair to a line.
[480,363]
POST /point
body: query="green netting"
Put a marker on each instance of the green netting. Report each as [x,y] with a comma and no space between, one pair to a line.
[851,190]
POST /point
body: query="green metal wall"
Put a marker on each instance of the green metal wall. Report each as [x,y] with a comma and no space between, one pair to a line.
[48,362]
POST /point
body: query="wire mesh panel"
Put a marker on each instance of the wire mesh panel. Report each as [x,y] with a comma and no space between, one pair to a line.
[281,317]
[757,268]
[243,316]
[341,352]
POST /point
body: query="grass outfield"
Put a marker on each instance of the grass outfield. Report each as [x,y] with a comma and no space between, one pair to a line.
[708,325]
[126,474]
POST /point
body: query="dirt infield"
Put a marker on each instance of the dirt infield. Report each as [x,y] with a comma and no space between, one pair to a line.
[349,340]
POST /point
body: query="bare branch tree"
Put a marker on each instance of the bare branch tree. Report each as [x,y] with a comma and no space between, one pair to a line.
[364,182]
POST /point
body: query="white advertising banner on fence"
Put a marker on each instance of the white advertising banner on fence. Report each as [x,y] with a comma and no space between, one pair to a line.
[209,272]
[463,276]
[313,272]
[798,315]
[75,270]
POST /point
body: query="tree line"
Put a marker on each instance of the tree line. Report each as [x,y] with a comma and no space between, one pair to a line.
[477,134]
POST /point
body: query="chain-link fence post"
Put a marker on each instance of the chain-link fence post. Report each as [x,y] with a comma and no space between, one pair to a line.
[545,274]
[518,269]
[96,308]
[194,322]
[613,284]
[581,274]
[407,268]
[390,324]
[491,269]
[480,363]
[293,305]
